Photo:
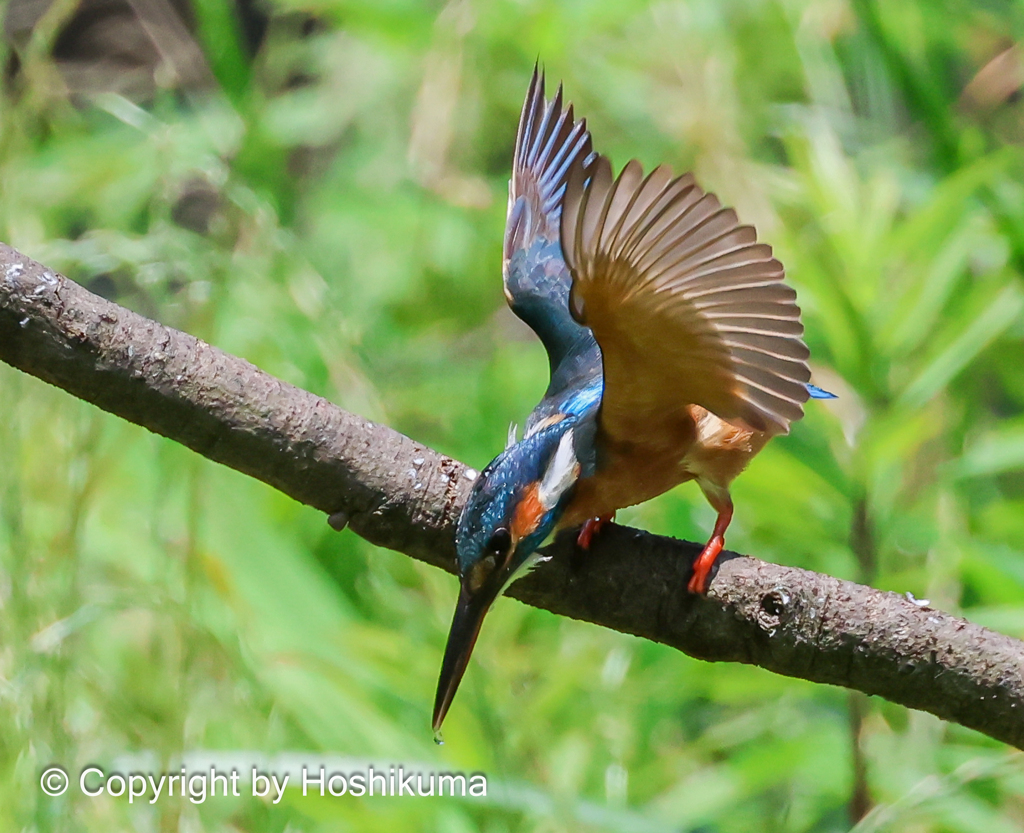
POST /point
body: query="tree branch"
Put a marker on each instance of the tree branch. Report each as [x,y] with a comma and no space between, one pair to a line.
[399,494]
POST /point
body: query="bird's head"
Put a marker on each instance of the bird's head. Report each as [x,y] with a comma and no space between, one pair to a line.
[514,506]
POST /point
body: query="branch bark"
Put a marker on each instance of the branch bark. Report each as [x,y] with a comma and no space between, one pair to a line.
[402,495]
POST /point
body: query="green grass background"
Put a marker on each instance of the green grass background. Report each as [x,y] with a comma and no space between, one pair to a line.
[331,207]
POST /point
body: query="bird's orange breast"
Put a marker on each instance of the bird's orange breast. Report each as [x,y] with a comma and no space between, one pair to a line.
[698,446]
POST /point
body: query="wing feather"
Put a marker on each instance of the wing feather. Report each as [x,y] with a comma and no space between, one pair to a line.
[548,144]
[687,306]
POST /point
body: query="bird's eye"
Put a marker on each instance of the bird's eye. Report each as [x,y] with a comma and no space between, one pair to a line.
[500,542]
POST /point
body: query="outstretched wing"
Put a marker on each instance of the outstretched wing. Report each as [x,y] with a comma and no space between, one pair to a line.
[549,144]
[687,306]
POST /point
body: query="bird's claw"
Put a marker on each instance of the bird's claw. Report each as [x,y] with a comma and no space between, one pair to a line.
[590,528]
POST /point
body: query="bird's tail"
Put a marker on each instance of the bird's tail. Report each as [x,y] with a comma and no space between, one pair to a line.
[819,393]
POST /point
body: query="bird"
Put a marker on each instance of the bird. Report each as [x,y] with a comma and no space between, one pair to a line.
[675,351]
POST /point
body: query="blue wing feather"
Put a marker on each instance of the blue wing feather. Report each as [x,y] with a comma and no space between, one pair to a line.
[536,278]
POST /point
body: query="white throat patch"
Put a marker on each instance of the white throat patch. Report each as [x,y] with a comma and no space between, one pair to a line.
[562,472]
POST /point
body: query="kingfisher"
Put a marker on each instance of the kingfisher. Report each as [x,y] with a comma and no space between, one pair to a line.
[675,354]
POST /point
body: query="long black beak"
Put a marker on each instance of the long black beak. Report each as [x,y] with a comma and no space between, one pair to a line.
[469,616]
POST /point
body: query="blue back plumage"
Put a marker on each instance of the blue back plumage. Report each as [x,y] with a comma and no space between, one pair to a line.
[498,490]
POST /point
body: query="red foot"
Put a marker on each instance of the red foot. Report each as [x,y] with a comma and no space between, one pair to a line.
[702,566]
[590,528]
[706,560]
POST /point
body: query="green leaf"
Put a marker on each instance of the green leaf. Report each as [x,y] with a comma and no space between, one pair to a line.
[965,347]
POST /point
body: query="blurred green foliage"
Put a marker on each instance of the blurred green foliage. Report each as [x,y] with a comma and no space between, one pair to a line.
[324,194]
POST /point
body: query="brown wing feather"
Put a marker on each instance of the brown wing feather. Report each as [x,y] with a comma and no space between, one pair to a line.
[687,306]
